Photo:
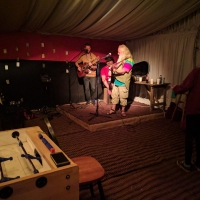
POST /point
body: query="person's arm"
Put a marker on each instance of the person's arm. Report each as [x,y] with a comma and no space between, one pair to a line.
[103,78]
[186,85]
[125,69]
[105,82]
[93,67]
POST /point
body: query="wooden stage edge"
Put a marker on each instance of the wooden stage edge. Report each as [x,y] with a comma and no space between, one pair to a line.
[111,124]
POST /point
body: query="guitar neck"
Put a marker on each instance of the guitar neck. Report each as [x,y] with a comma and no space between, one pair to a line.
[118,64]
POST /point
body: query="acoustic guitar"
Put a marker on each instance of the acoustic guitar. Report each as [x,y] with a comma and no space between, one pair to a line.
[85,67]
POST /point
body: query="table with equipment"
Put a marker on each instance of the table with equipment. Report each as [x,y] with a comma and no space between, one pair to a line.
[150,90]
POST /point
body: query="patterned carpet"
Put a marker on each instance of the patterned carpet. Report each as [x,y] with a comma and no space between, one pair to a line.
[139,160]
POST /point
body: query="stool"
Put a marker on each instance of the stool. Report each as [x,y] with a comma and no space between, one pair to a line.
[106,96]
[179,100]
[90,172]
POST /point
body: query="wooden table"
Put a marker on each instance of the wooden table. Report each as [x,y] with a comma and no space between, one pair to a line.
[150,89]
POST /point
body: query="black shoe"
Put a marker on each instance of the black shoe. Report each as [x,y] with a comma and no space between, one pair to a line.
[183,166]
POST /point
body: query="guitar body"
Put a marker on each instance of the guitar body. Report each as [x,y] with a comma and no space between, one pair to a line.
[81,74]
[84,70]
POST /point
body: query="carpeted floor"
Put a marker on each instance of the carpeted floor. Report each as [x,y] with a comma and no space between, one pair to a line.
[139,159]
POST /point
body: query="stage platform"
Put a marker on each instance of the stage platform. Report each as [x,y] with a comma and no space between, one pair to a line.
[95,117]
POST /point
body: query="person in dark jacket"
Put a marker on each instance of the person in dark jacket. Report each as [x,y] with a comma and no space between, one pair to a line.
[191,84]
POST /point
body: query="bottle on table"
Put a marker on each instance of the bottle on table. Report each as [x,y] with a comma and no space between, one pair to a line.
[160,79]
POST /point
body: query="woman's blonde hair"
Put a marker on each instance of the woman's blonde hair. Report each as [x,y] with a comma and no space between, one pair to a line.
[125,53]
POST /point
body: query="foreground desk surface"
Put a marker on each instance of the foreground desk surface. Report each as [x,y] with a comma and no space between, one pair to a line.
[61,182]
[150,89]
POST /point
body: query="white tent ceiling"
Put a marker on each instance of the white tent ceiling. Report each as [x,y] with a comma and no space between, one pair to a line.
[97,19]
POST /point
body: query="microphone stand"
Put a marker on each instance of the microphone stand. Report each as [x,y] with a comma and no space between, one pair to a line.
[69,62]
[96,114]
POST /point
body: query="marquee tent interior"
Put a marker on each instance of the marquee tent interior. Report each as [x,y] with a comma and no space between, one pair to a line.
[41,38]
[163,33]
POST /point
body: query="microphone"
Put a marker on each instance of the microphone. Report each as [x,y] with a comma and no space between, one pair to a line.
[85,51]
[107,55]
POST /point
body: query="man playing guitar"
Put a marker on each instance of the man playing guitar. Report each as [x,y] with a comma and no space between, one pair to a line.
[86,67]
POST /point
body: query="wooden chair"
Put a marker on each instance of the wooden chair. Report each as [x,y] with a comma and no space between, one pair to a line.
[90,170]
[179,101]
